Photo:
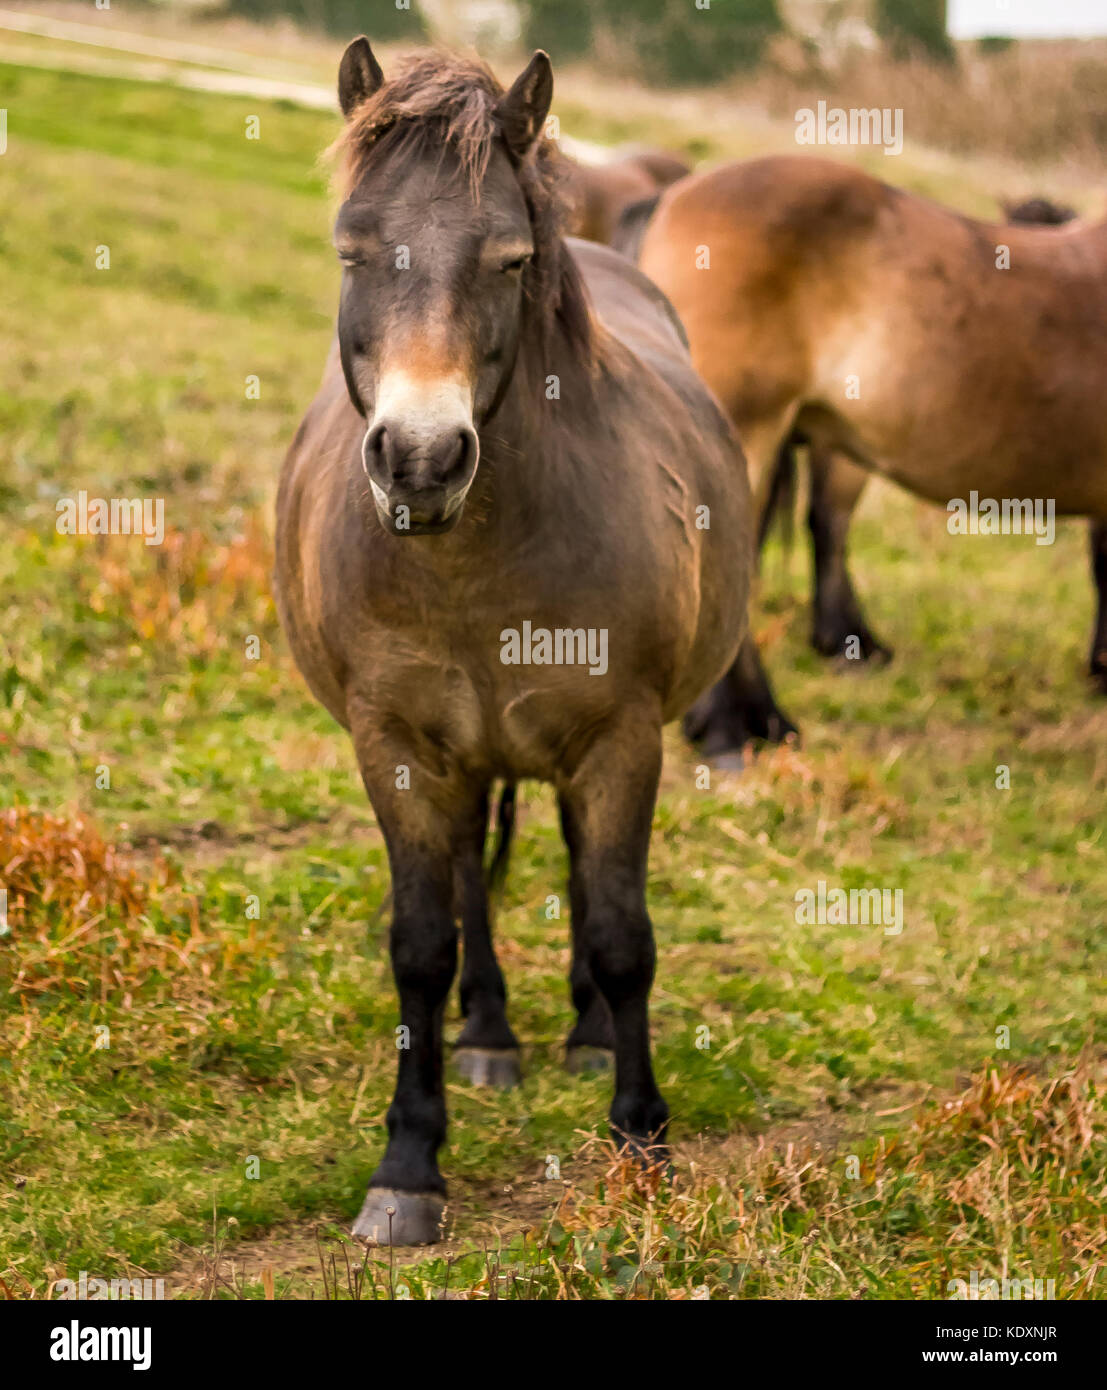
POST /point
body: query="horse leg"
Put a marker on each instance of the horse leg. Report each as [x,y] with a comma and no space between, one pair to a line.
[590,1045]
[839,627]
[607,803]
[487,1051]
[1098,663]
[741,706]
[738,709]
[407,1195]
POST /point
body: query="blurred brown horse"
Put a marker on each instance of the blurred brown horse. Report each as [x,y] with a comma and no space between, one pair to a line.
[836,484]
[897,335]
[600,194]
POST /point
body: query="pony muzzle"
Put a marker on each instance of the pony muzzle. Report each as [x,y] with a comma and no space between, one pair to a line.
[420,454]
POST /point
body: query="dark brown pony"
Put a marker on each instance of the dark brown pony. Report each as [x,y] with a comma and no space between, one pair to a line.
[513,540]
[889,333]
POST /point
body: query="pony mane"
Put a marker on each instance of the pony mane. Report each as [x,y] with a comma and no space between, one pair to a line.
[438,100]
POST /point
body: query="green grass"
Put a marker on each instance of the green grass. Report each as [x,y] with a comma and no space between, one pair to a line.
[235,1036]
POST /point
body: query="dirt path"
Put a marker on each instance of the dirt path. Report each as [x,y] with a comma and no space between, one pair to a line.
[196,66]
[117,41]
[183,64]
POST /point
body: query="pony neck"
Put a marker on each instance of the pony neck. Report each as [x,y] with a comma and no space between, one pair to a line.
[553,381]
[550,396]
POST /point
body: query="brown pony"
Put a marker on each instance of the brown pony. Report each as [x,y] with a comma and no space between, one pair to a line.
[513,540]
[839,626]
[896,335]
[600,194]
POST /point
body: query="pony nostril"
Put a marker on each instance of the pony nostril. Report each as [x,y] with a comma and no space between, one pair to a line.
[376,449]
[464,453]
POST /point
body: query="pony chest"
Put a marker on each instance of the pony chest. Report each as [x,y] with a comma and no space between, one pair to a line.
[515,709]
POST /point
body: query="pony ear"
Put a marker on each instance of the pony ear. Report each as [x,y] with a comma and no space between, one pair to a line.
[359,76]
[522,111]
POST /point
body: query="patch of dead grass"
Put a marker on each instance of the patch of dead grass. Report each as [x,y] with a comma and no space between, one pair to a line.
[78,911]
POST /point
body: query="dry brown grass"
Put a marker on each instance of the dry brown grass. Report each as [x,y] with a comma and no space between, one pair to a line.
[77,909]
[190,592]
[1013,1163]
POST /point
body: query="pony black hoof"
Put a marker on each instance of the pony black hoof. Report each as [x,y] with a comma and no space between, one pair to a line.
[734,761]
[489,1066]
[400,1218]
[722,729]
[582,1059]
[774,726]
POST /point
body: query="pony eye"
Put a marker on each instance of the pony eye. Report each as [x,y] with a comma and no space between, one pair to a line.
[515,264]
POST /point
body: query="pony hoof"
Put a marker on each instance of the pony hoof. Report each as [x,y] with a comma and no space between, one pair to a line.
[388,1217]
[729,762]
[489,1066]
[582,1058]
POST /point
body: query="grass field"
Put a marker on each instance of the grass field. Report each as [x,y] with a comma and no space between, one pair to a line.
[191,864]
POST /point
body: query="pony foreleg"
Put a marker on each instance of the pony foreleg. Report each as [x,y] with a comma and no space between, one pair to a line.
[406,1200]
[607,803]
[407,1195]
[1098,662]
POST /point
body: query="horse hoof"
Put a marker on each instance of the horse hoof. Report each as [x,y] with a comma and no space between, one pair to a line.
[489,1066]
[388,1217]
[729,762]
[583,1058]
